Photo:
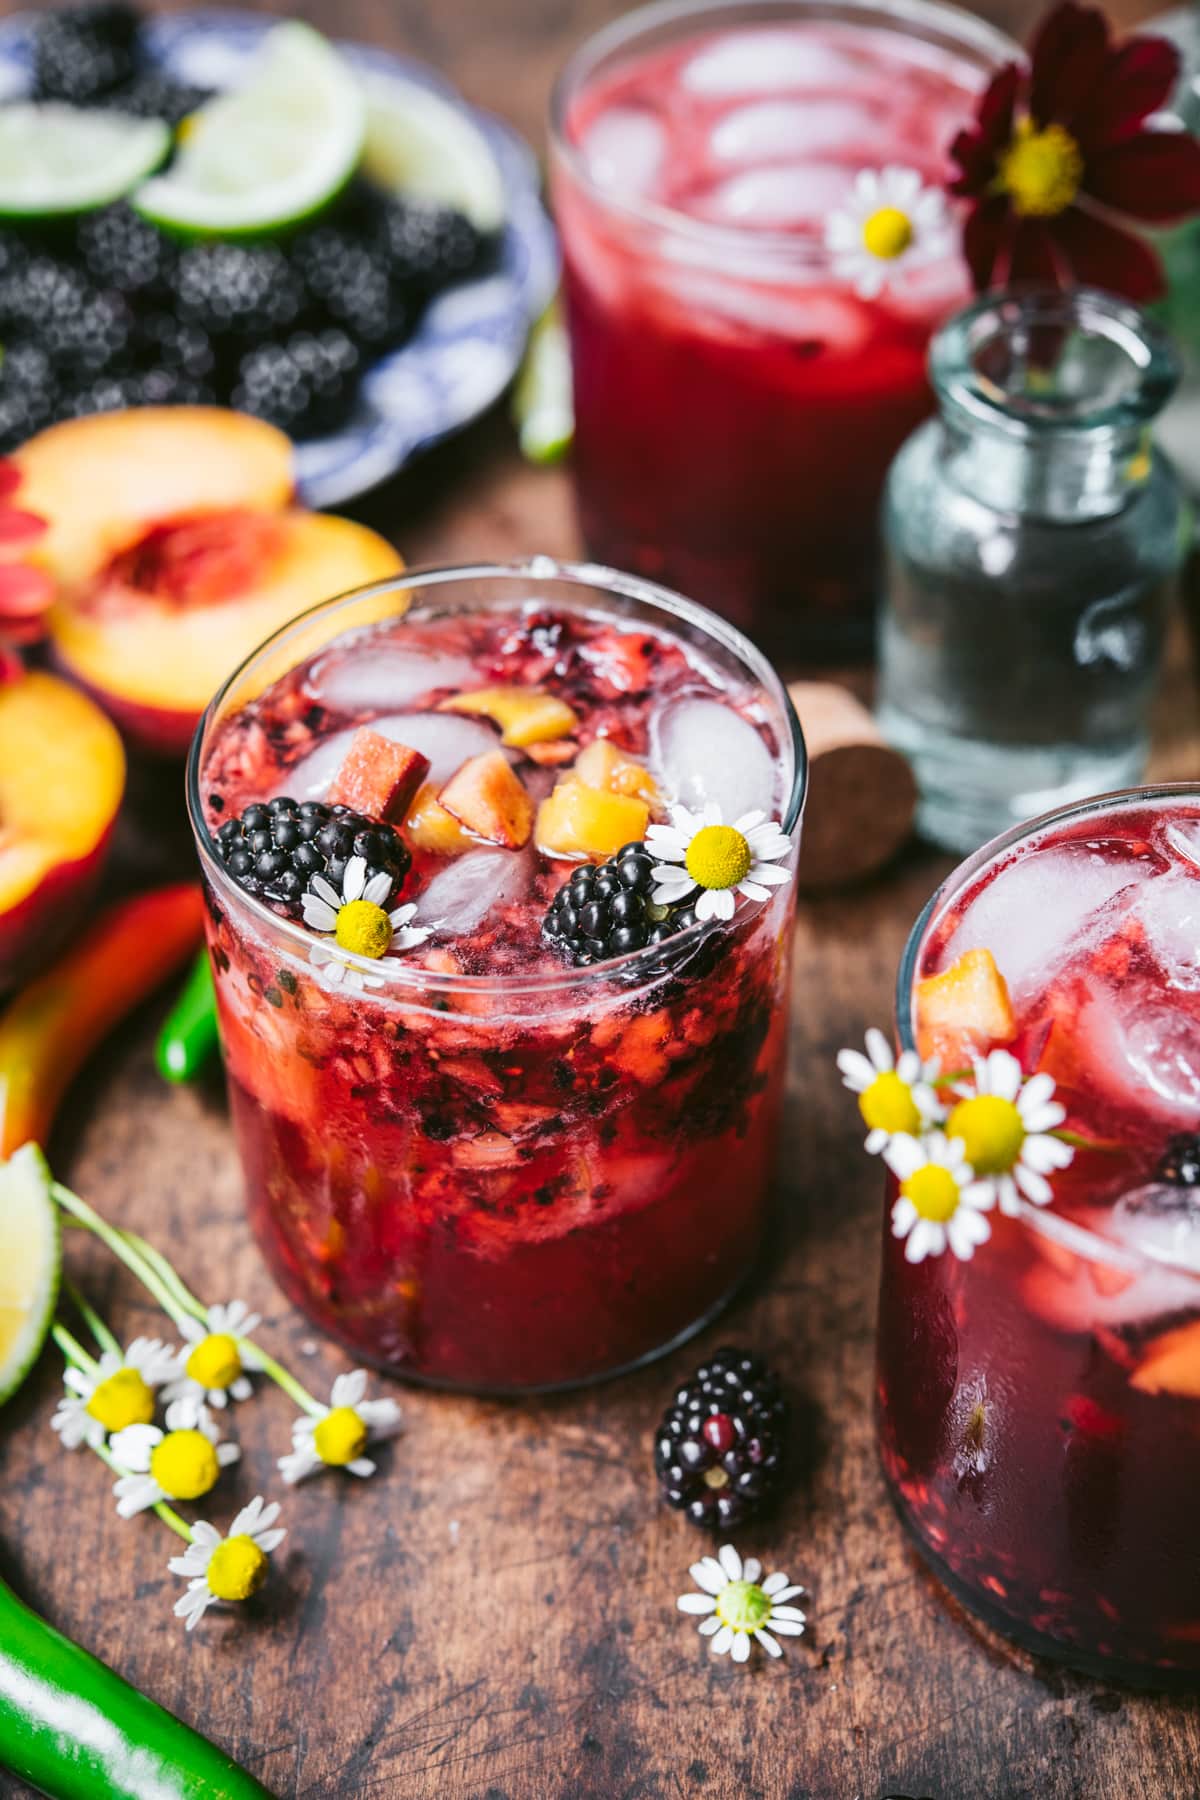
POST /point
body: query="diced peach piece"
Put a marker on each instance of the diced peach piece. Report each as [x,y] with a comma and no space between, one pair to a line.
[551,755]
[1171,1364]
[378,777]
[490,800]
[430,827]
[577,820]
[964,1011]
[603,766]
[524,715]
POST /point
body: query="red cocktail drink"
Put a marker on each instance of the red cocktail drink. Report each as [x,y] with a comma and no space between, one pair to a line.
[497,1165]
[737,400]
[1039,1404]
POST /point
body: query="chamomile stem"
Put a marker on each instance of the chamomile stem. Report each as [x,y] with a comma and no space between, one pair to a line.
[91,1319]
[166,1513]
[117,1243]
[72,1349]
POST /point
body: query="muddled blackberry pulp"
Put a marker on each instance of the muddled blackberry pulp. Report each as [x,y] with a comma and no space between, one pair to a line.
[482,1181]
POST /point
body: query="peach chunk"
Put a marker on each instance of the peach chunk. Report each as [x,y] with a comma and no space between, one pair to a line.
[489,799]
[1171,1364]
[603,766]
[430,827]
[964,1011]
[378,777]
[577,820]
[524,715]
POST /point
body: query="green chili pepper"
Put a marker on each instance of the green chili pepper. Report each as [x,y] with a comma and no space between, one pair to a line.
[189,1037]
[73,1729]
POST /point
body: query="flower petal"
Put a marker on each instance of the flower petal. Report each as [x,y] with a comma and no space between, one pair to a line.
[751,1569]
[709,1575]
[696,1603]
[975,150]
[1154,176]
[986,237]
[740,1649]
[730,1561]
[775,1583]
[355,878]
[1067,60]
[1139,79]
[1102,255]
[768,1643]
[723,1640]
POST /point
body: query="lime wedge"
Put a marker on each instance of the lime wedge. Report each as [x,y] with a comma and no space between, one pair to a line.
[270,152]
[30,1259]
[542,406]
[57,159]
[423,147]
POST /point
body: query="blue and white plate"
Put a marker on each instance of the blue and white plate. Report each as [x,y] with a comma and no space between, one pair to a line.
[469,342]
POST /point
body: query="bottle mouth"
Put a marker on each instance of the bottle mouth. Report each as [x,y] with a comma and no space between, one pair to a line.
[1038,361]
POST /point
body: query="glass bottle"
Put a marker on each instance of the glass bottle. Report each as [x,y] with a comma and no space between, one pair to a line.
[1033,540]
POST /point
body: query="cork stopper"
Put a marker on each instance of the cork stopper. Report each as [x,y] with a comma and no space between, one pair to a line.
[861,792]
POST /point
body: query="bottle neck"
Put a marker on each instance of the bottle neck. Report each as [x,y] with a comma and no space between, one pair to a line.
[1062,476]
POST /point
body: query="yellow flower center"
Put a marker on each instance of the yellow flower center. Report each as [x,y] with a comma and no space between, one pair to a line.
[888,1105]
[122,1399]
[1042,170]
[215,1362]
[992,1131]
[743,1606]
[933,1192]
[718,857]
[185,1465]
[888,233]
[364,928]
[340,1437]
[237,1568]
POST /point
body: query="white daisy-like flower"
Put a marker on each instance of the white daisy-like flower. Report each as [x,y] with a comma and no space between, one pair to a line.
[1005,1124]
[738,1605]
[212,1363]
[359,923]
[118,1393]
[940,1201]
[891,223]
[893,1095]
[180,1462]
[699,851]
[338,1438]
[228,1568]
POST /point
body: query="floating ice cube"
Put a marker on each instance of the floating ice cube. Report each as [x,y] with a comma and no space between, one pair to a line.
[782,197]
[465,891]
[773,129]
[766,62]
[704,751]
[625,149]
[1146,1049]
[1181,839]
[443,737]
[309,779]
[387,678]
[1041,910]
[1082,1285]
[1169,908]
[1159,1221]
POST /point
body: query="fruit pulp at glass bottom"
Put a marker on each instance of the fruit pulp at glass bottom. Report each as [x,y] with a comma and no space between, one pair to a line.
[1022,1455]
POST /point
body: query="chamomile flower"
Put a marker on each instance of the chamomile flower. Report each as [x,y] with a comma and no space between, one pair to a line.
[1005,1126]
[891,224]
[120,1392]
[699,851]
[737,1605]
[339,1437]
[181,1462]
[214,1360]
[893,1095]
[940,1203]
[228,1568]
[359,923]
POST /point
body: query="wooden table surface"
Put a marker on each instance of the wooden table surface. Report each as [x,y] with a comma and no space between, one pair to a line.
[492,1616]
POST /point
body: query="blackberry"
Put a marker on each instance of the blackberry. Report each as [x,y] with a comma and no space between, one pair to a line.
[349,282]
[92,339]
[39,292]
[153,94]
[305,386]
[29,395]
[234,292]
[719,1452]
[275,849]
[82,53]
[428,247]
[163,342]
[154,387]
[122,251]
[1180,1164]
[607,911]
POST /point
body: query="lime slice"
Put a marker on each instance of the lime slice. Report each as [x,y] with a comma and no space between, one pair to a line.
[57,159]
[30,1258]
[542,405]
[269,153]
[423,147]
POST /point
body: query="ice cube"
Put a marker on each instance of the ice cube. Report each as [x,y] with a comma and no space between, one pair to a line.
[624,149]
[388,678]
[769,130]
[767,62]
[821,322]
[310,777]
[443,737]
[1041,910]
[1100,1272]
[465,891]
[703,751]
[1181,839]
[1146,1048]
[781,197]
[1169,908]
[1160,1221]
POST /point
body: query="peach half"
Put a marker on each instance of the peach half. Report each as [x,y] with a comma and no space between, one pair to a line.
[62,775]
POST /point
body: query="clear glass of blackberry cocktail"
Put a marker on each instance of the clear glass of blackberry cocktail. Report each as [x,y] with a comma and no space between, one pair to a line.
[516,1154]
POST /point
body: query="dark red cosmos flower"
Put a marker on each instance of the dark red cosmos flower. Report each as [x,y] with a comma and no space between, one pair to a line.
[1060,150]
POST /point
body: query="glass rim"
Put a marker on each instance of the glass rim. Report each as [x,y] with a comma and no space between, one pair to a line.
[955,343]
[1053,1226]
[905,18]
[417,981]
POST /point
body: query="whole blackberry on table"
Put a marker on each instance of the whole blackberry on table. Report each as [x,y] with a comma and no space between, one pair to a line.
[152,94]
[1180,1164]
[120,250]
[237,292]
[304,386]
[349,284]
[81,53]
[30,396]
[165,343]
[90,340]
[607,910]
[39,292]
[275,849]
[719,1452]
[428,247]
